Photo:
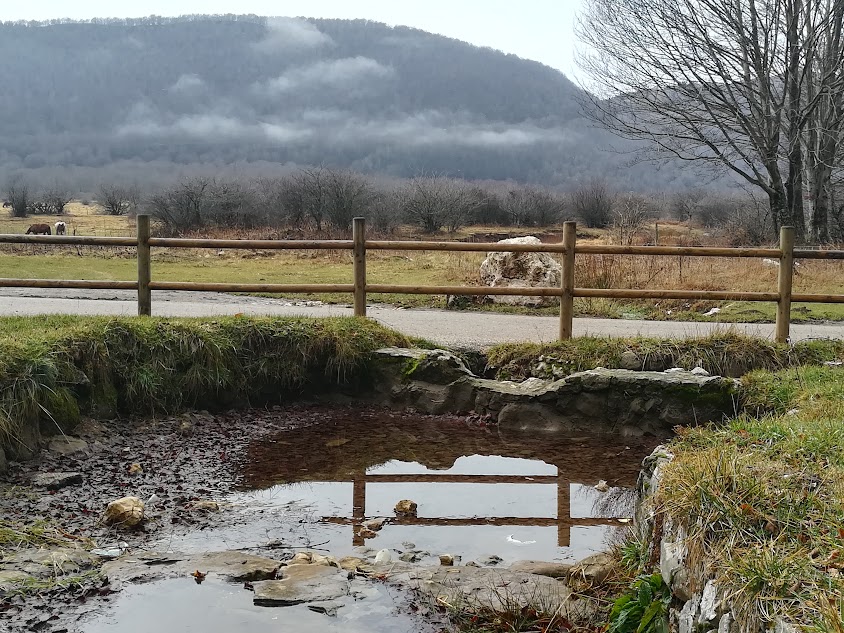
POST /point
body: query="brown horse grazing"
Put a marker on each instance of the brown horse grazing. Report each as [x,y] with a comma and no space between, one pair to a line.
[39,229]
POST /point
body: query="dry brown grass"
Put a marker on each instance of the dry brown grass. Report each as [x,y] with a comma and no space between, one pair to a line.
[456,268]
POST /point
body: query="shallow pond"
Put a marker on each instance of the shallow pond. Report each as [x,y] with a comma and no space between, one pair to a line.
[180,605]
[480,492]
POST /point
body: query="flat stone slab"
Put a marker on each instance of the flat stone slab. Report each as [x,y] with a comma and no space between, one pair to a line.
[301,584]
[542,568]
[232,565]
[498,589]
[66,445]
[42,563]
[56,481]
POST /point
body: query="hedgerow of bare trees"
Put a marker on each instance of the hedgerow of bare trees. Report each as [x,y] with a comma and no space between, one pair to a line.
[754,87]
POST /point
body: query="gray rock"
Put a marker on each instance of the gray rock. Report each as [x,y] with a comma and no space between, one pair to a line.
[700,371]
[412,557]
[709,602]
[688,616]
[542,568]
[374,524]
[629,360]
[302,584]
[592,570]
[482,587]
[67,445]
[327,607]
[490,561]
[56,481]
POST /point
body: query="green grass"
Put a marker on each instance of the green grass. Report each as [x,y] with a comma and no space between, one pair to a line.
[727,353]
[150,365]
[762,500]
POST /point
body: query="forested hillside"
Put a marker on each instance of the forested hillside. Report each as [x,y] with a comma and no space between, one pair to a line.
[153,96]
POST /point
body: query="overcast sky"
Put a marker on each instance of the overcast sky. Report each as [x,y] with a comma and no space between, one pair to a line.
[534,29]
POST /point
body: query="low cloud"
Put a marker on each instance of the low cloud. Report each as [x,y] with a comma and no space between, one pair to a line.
[287,35]
[348,73]
[187,84]
[213,127]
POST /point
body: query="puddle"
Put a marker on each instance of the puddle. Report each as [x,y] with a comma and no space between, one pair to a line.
[479,492]
[216,606]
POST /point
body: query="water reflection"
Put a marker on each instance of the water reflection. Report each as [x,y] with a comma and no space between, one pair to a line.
[478,491]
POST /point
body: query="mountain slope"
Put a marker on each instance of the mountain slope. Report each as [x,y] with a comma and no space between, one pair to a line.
[228,89]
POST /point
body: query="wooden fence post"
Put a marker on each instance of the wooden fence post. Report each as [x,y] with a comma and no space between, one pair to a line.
[784,283]
[144,294]
[359,239]
[567,284]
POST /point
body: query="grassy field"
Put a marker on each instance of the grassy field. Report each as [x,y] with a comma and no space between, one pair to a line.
[435,268]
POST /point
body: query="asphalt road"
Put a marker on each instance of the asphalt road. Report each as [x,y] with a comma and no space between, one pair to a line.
[449,328]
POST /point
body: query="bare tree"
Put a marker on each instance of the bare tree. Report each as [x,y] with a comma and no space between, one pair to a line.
[532,206]
[347,195]
[56,199]
[184,206]
[593,203]
[18,196]
[434,202]
[118,199]
[629,218]
[724,84]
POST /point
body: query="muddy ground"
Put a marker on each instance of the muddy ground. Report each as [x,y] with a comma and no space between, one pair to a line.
[184,459]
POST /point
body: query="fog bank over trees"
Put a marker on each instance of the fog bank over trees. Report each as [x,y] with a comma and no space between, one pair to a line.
[148,101]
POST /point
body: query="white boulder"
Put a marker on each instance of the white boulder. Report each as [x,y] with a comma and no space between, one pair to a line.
[521,270]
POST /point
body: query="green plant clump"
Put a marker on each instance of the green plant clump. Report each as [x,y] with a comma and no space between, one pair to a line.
[644,609]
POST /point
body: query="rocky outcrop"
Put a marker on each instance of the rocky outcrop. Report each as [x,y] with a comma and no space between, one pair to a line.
[595,401]
[521,270]
[699,603]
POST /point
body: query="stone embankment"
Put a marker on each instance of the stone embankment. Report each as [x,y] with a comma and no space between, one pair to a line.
[595,401]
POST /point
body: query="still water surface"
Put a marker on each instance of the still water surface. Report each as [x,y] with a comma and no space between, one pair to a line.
[479,491]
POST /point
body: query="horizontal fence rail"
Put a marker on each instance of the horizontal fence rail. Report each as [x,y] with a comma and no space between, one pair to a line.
[359,288]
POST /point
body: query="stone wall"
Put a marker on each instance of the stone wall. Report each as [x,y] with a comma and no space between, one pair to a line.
[598,401]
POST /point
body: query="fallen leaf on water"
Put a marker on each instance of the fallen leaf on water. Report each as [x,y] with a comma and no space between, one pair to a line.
[337,442]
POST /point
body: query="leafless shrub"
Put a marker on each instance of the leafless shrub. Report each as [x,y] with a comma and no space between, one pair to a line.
[593,204]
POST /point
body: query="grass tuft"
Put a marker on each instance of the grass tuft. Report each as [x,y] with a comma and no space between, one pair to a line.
[727,354]
[52,366]
[762,500]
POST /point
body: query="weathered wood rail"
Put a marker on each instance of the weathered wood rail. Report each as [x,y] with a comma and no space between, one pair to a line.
[785,255]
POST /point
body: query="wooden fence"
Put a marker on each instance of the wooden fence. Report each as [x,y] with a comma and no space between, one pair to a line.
[786,254]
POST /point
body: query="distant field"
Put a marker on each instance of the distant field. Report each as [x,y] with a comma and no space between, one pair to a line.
[432,268]
[85,220]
